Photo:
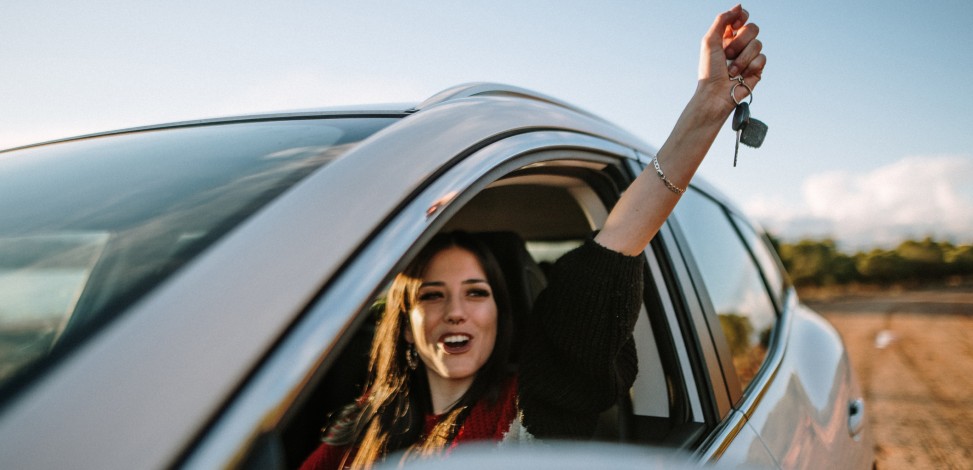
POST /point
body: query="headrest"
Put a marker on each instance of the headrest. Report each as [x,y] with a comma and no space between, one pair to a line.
[524,277]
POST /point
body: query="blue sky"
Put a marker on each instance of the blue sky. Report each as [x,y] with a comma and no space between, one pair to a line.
[868,105]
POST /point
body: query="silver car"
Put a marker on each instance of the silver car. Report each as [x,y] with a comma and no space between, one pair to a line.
[200,294]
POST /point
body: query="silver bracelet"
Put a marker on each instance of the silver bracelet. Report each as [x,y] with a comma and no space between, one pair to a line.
[672,187]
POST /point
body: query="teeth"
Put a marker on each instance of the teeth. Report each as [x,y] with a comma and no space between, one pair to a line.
[456,339]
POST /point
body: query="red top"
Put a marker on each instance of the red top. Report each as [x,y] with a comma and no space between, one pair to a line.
[486,422]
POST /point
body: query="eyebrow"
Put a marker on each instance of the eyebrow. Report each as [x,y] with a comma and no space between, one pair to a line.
[441,283]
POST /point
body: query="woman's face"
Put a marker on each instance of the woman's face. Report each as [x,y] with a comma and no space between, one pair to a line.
[454,322]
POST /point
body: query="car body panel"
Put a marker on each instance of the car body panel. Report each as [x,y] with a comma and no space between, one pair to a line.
[803,415]
[738,445]
[798,403]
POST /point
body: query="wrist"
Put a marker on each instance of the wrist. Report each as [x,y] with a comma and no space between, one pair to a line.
[712,101]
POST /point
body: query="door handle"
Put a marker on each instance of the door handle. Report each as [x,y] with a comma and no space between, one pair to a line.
[856,416]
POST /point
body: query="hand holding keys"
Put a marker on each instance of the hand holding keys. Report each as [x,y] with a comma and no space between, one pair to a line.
[750,131]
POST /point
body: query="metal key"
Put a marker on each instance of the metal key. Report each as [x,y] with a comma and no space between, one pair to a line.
[741,119]
[750,131]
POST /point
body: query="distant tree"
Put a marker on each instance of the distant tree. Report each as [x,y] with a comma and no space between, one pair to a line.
[924,260]
[820,263]
[959,260]
[805,261]
[844,270]
[817,263]
[884,267]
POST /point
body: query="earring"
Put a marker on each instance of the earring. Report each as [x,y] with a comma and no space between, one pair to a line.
[412,357]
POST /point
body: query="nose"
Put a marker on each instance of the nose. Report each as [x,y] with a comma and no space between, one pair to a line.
[455,313]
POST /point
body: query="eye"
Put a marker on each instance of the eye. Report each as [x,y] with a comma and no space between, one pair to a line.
[478,292]
[429,296]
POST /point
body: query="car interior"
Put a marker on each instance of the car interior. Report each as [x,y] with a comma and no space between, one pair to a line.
[528,219]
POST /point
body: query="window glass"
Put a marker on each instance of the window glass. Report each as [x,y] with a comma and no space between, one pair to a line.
[548,252]
[89,226]
[744,309]
[761,251]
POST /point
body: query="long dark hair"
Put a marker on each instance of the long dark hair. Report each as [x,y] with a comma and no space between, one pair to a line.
[397,398]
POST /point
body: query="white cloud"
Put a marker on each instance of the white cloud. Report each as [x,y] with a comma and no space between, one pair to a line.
[910,198]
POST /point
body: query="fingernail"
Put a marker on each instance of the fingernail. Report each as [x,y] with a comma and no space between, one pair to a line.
[734,70]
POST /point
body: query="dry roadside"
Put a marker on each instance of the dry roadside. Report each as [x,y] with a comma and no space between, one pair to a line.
[913,352]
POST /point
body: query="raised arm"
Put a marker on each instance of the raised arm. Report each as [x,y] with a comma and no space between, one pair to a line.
[647,203]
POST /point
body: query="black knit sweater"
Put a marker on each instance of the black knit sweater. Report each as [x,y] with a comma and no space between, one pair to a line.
[577,352]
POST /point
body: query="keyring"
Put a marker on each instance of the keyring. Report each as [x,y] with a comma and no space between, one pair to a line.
[733,90]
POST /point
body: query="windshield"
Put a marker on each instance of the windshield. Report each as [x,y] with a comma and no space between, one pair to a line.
[89,226]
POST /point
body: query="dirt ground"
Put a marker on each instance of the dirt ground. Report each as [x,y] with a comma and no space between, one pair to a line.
[913,351]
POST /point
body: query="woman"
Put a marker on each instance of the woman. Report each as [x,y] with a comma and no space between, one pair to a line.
[439,364]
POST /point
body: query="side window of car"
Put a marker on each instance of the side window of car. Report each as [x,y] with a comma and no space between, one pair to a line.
[528,218]
[766,259]
[548,202]
[732,281]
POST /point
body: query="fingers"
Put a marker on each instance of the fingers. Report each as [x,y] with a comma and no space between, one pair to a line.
[741,16]
[742,37]
[725,24]
[731,48]
[741,60]
[751,75]
[729,34]
[737,18]
[743,49]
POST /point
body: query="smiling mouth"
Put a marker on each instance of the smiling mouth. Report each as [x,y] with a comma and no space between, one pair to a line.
[456,343]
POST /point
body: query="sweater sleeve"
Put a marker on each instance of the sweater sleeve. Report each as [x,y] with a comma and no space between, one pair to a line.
[577,353]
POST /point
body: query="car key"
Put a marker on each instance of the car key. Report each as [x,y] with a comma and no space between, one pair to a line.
[741,117]
[752,135]
[750,131]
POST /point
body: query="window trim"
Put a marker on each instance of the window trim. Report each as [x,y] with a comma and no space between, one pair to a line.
[694,384]
[778,292]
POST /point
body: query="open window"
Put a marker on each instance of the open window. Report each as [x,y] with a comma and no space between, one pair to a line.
[530,217]
[530,209]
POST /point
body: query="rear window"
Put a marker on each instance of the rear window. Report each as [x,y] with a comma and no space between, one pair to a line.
[88,227]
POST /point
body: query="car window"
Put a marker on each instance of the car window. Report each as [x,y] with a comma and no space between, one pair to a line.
[767,261]
[549,216]
[737,291]
[89,226]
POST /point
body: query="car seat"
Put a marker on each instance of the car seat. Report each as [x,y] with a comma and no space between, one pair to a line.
[524,277]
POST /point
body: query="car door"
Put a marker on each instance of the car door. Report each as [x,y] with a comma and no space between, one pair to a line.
[785,369]
[818,417]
